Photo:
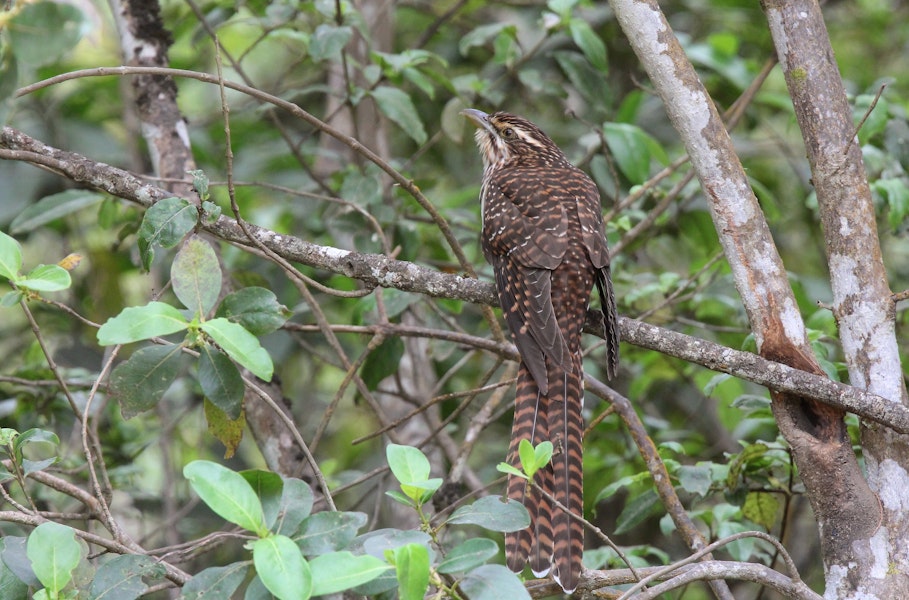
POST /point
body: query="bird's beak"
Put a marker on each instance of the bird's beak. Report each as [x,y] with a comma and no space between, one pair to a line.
[478,118]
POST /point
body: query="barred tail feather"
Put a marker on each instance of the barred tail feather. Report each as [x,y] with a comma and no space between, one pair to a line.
[533,544]
[566,428]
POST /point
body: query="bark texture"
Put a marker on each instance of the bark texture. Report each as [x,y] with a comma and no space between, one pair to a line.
[861,560]
[846,509]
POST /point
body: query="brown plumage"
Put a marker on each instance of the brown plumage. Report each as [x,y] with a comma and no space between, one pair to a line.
[543,235]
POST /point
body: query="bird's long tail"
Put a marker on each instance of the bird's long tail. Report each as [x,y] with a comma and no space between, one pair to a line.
[554,539]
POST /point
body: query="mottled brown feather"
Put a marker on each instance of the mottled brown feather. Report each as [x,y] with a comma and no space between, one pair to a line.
[543,235]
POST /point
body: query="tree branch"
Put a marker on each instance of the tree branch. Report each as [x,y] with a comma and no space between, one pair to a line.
[379,270]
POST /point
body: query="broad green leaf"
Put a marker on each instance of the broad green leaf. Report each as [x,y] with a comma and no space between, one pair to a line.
[137,323]
[588,81]
[165,223]
[53,207]
[480,36]
[509,470]
[896,193]
[196,276]
[635,511]
[224,429]
[629,147]
[695,479]
[327,531]
[492,513]
[412,568]
[269,487]
[327,42]
[761,507]
[589,43]
[397,106]
[33,436]
[227,494]
[11,298]
[10,257]
[468,555]
[378,544]
[618,484]
[15,557]
[296,504]
[382,362]
[240,345]
[526,454]
[32,466]
[46,278]
[139,383]
[408,464]
[493,582]
[10,585]
[54,553]
[255,308]
[215,583]
[220,380]
[121,577]
[44,32]
[282,568]
[339,571]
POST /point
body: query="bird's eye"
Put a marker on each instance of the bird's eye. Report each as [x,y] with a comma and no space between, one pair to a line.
[508,133]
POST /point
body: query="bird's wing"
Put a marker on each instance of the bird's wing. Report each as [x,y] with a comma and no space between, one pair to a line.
[523,249]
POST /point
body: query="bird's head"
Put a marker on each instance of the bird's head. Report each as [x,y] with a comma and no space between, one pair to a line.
[507,140]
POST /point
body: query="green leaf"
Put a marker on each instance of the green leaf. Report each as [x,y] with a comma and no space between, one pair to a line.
[46,278]
[51,208]
[54,553]
[196,276]
[635,511]
[215,583]
[296,504]
[382,362]
[492,513]
[407,464]
[11,586]
[327,42]
[588,81]
[121,578]
[526,454]
[137,323]
[327,531]
[481,36]
[240,345]
[589,43]
[695,479]
[630,148]
[493,582]
[220,380]
[282,568]
[269,487]
[165,223]
[896,193]
[615,486]
[468,555]
[397,106]
[44,32]
[255,308]
[228,494]
[509,470]
[339,571]
[412,568]
[139,383]
[761,507]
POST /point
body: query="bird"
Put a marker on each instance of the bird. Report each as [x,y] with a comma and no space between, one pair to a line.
[543,235]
